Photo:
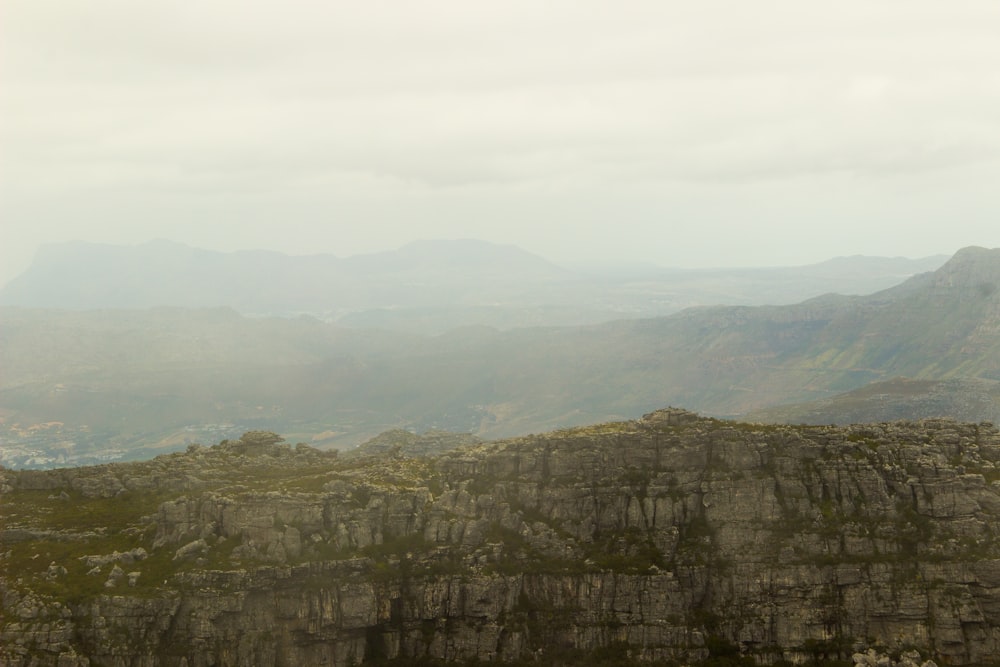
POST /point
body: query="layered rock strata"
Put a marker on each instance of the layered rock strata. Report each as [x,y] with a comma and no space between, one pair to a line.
[667,538]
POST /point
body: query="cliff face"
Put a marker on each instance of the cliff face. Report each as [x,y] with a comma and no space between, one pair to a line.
[669,537]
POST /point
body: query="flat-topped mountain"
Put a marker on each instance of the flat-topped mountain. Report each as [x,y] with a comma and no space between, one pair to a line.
[671,538]
[83,276]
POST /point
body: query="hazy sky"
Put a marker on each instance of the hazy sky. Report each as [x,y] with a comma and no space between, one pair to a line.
[686,133]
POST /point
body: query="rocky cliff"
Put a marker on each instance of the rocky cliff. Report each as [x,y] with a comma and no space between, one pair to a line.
[672,538]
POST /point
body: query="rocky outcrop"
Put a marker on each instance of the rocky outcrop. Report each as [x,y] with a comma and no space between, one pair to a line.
[399,442]
[671,537]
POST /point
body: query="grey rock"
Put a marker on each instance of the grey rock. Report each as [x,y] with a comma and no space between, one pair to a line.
[662,534]
[191,550]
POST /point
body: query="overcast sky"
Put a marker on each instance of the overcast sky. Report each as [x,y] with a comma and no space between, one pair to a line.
[703,133]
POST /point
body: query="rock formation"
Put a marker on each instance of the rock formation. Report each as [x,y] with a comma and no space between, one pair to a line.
[670,538]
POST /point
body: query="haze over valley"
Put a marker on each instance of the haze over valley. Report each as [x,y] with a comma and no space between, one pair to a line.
[473,338]
[426,287]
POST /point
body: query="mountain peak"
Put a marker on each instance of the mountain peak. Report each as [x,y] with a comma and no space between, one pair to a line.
[973,266]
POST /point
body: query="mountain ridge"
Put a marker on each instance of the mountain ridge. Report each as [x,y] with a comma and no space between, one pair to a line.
[150,378]
[166,273]
[671,539]
[967,399]
[426,286]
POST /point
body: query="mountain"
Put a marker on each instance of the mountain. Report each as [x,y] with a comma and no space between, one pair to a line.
[85,276]
[671,539]
[163,377]
[425,287]
[967,399]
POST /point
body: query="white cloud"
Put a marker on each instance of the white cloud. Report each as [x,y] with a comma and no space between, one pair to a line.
[520,121]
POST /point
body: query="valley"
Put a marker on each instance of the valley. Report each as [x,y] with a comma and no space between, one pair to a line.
[150,380]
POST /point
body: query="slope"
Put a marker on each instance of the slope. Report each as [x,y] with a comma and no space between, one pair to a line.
[306,377]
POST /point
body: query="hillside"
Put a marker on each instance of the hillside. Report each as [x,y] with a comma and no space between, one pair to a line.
[425,287]
[144,377]
[669,538]
[970,400]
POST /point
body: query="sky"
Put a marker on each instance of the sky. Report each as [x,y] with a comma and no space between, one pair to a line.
[686,134]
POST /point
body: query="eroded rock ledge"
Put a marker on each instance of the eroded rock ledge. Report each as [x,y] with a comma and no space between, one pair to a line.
[672,537]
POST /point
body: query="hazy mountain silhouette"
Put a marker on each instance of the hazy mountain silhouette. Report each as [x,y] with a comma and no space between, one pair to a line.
[426,286]
[162,273]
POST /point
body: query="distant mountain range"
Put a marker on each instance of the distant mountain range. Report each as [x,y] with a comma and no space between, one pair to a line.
[131,379]
[425,287]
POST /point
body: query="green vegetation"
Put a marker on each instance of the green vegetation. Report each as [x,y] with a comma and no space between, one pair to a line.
[73,529]
[687,529]
[615,655]
[155,379]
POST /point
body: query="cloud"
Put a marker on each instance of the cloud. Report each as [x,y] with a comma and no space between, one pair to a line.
[389,108]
